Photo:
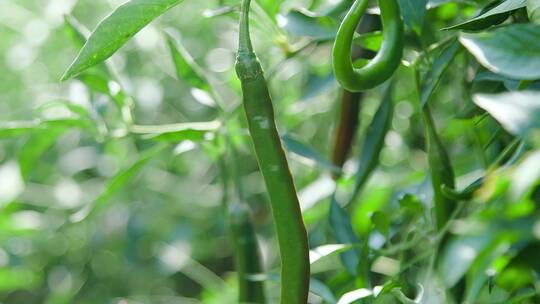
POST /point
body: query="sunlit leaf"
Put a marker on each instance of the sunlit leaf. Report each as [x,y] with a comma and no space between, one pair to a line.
[76,31]
[512,50]
[16,128]
[533,10]
[353,296]
[176,132]
[308,24]
[370,41]
[320,252]
[115,30]
[491,16]
[518,112]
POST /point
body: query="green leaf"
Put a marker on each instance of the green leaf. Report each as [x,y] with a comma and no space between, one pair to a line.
[18,278]
[413,12]
[185,67]
[117,182]
[513,50]
[411,206]
[95,81]
[517,112]
[362,214]
[323,251]
[101,77]
[526,176]
[194,131]
[459,255]
[533,10]
[115,30]
[13,129]
[34,147]
[478,274]
[381,222]
[344,234]
[309,24]
[75,31]
[319,288]
[300,149]
[370,41]
[355,295]
[490,16]
[219,11]
[78,117]
[373,144]
[433,77]
[405,300]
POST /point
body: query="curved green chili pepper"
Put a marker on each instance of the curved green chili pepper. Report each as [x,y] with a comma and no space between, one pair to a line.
[350,104]
[247,255]
[388,58]
[291,232]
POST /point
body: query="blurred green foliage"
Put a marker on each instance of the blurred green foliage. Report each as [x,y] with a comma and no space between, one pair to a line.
[113,185]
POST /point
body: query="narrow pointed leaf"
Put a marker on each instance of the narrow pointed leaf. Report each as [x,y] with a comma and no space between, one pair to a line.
[185,67]
[194,131]
[491,16]
[344,234]
[373,144]
[115,30]
[440,65]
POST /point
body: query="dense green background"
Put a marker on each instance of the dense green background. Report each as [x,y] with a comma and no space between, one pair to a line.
[157,230]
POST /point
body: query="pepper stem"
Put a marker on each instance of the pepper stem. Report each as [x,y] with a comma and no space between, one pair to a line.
[245,40]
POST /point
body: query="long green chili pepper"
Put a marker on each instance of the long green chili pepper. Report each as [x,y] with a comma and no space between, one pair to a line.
[247,255]
[388,58]
[442,172]
[291,232]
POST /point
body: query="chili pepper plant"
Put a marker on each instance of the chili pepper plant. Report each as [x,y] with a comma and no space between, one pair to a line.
[259,151]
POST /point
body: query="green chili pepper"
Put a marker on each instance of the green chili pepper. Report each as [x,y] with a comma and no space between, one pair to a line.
[291,232]
[442,172]
[387,60]
[247,255]
[350,104]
